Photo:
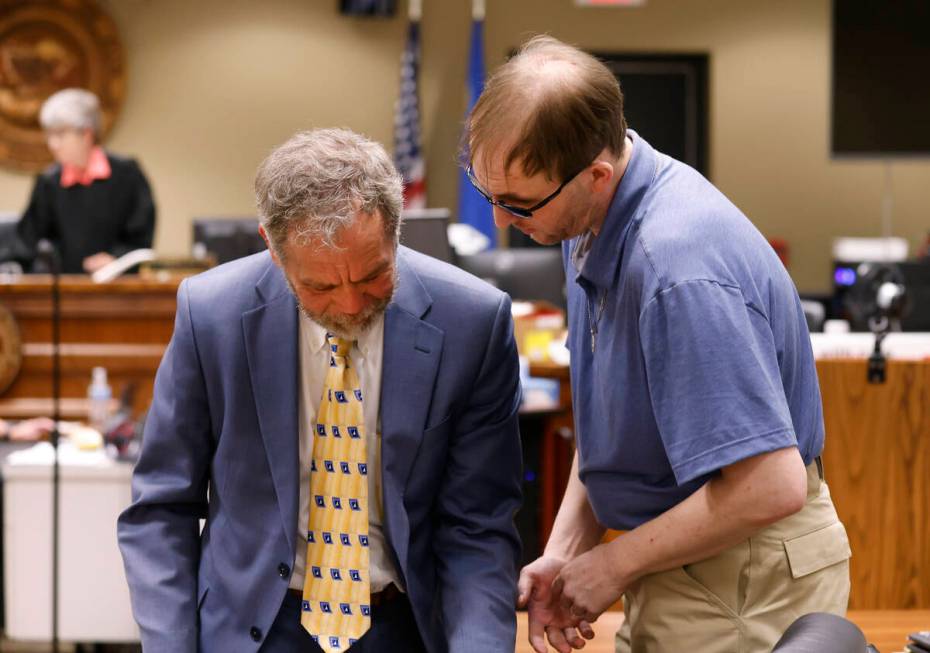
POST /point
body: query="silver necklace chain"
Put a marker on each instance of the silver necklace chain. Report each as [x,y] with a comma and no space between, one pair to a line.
[594,320]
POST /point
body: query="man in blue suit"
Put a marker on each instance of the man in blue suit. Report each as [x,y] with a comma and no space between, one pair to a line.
[233,421]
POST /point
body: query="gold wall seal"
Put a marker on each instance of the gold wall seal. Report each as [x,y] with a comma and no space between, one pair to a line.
[45,46]
[11,353]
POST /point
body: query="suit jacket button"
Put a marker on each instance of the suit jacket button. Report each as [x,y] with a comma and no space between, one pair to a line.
[284,571]
[256,634]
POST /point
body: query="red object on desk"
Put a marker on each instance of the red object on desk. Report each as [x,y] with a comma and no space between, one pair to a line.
[781,249]
[557,449]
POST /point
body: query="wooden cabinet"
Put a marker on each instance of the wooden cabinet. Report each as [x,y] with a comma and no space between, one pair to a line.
[877,464]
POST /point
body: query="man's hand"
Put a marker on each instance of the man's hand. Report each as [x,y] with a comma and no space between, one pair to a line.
[586,586]
[96,261]
[547,619]
[31,429]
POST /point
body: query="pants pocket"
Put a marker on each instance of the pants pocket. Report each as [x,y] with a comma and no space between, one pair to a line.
[819,549]
[724,577]
[671,611]
[712,597]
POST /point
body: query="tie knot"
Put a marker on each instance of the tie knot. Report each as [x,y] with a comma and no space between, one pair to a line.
[339,346]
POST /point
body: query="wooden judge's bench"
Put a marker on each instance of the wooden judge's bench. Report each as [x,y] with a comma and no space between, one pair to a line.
[123,325]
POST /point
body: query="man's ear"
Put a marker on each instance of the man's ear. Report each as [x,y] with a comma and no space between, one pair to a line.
[264,235]
[602,172]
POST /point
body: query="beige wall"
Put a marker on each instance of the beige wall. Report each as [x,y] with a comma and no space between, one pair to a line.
[213,84]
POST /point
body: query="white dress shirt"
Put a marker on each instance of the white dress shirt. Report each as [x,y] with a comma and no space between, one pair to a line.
[366,354]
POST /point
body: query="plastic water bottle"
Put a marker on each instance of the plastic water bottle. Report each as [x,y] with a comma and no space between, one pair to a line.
[98,399]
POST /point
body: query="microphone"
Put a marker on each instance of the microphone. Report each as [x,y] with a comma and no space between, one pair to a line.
[880,299]
[891,298]
[47,260]
[47,253]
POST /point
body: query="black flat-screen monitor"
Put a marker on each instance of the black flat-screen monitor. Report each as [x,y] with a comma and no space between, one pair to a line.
[8,224]
[227,239]
[534,273]
[881,59]
[917,281]
[426,231]
[377,8]
[9,241]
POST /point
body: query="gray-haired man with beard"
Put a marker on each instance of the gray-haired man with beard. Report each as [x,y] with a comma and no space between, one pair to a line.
[352,407]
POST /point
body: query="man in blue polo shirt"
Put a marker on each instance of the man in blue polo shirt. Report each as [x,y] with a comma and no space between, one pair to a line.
[697,408]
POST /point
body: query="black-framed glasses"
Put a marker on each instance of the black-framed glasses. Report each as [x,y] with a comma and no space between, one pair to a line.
[518,211]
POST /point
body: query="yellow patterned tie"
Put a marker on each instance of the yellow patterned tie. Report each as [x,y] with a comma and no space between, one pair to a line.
[336,609]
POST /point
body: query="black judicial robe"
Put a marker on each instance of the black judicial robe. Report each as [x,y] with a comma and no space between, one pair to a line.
[115,215]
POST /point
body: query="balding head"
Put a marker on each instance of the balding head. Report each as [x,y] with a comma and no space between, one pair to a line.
[552,109]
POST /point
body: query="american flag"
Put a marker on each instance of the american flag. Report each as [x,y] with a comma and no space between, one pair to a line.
[407,154]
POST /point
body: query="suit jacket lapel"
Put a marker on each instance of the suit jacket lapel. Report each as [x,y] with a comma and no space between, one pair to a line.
[412,350]
[271,341]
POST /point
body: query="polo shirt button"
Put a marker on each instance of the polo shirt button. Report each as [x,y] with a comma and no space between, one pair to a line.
[256,634]
[283,570]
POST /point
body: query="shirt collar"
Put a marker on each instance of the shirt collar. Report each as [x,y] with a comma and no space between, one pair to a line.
[605,253]
[98,167]
[371,338]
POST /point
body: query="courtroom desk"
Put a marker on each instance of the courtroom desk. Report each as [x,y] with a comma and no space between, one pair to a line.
[123,325]
[93,600]
[887,629]
[877,464]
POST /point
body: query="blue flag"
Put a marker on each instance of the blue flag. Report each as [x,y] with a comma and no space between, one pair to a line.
[473,208]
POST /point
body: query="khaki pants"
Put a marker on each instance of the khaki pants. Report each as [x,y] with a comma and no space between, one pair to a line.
[742,600]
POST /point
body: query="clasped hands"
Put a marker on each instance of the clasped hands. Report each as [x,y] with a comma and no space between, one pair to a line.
[563,598]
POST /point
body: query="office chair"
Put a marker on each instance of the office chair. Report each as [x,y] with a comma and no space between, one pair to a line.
[821,632]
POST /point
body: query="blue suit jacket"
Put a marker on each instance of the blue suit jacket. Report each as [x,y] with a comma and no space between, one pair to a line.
[221,443]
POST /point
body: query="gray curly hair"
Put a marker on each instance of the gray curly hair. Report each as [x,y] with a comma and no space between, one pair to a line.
[315,184]
[71,108]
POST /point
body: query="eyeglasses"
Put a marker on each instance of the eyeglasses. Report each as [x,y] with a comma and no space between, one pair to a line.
[518,211]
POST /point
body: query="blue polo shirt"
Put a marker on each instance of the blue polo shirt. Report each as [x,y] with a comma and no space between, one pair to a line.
[702,356]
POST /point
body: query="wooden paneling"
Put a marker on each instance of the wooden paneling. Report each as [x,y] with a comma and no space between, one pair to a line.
[877,463]
[123,326]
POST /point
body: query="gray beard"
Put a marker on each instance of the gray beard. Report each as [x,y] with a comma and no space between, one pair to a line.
[348,329]
[345,328]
